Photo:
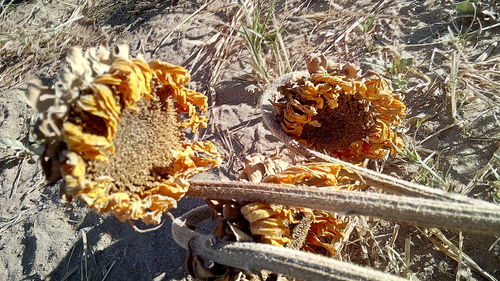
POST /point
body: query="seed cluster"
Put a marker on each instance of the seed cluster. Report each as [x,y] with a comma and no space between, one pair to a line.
[352,120]
[144,146]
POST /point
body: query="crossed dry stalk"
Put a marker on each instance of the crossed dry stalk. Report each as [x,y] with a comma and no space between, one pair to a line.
[472,216]
[429,207]
[409,202]
[253,257]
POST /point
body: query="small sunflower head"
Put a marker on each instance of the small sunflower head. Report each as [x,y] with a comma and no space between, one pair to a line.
[112,127]
[300,228]
[341,112]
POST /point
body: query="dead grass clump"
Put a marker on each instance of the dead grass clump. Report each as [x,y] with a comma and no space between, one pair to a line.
[34,33]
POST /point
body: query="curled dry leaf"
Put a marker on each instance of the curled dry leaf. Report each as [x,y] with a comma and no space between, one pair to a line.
[341,112]
[258,166]
[112,127]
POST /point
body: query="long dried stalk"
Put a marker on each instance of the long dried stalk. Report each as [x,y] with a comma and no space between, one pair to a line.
[253,257]
[483,218]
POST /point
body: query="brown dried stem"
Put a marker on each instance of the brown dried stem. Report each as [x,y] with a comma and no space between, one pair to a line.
[455,215]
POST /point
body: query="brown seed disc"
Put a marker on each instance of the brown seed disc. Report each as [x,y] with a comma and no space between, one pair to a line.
[352,120]
[144,146]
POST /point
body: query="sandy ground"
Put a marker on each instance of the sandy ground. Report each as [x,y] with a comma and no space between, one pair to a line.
[42,238]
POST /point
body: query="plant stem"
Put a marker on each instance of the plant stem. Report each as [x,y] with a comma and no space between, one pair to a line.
[483,218]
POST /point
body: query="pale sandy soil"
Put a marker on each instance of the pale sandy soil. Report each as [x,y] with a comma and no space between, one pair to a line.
[41,237]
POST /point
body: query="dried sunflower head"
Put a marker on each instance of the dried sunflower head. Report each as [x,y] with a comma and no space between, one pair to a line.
[300,228]
[112,127]
[341,112]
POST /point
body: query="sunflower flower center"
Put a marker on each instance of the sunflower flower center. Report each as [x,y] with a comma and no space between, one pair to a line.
[350,121]
[144,146]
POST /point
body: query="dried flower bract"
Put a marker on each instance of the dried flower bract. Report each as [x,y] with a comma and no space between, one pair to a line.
[112,127]
[341,112]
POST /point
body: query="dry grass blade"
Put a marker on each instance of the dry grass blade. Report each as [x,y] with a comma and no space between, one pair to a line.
[481,173]
[69,260]
[453,84]
[108,271]
[215,53]
[483,218]
[7,223]
[407,255]
[447,247]
[69,273]
[262,31]
[493,244]
[460,256]
[75,16]
[84,273]
[30,34]
[253,257]
[16,179]
[439,132]
[5,7]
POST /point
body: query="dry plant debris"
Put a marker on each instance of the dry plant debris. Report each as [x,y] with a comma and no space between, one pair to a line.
[253,257]
[112,127]
[340,22]
[339,111]
[314,231]
[269,223]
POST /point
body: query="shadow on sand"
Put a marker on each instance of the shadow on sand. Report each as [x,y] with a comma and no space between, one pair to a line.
[132,255]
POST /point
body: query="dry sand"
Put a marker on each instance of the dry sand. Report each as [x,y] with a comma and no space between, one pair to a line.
[43,238]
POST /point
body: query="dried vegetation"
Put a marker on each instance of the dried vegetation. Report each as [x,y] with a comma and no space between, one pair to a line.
[442,58]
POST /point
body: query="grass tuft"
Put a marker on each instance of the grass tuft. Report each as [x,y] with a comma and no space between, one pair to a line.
[263,36]
[428,167]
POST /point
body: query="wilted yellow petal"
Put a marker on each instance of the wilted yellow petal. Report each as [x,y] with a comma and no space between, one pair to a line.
[146,75]
[74,172]
[255,212]
[107,79]
[170,188]
[134,84]
[270,227]
[170,74]
[276,241]
[89,146]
